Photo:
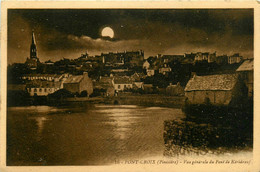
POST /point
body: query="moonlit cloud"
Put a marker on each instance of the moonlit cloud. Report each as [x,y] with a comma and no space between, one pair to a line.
[70,33]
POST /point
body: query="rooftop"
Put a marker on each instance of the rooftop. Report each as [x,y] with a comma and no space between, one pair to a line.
[212,82]
[122,80]
[74,79]
[43,84]
[247,65]
[42,75]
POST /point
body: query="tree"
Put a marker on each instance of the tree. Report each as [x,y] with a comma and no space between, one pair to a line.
[84,94]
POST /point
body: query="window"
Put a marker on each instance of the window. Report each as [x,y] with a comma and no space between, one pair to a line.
[40,90]
[35,90]
[45,89]
[124,86]
[118,86]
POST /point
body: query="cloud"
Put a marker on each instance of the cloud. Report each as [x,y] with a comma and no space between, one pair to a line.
[152,36]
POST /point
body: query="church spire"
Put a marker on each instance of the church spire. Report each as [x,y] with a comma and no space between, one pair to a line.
[33,50]
[33,38]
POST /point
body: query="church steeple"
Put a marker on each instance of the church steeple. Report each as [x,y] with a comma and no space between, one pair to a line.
[33,50]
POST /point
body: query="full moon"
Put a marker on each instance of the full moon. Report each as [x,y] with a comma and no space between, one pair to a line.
[107,31]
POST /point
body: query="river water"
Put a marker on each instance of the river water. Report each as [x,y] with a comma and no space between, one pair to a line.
[87,134]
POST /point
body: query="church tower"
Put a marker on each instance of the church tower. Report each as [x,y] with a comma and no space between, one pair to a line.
[33,50]
[33,61]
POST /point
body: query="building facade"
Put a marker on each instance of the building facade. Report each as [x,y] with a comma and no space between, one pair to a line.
[122,83]
[246,71]
[236,58]
[78,84]
[214,89]
[42,88]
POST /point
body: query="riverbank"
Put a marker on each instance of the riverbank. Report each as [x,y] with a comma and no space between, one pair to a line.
[187,137]
[121,99]
[134,99]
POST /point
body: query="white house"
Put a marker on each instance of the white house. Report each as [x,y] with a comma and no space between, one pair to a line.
[122,83]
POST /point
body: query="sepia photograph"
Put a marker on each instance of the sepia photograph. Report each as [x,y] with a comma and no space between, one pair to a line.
[139,86]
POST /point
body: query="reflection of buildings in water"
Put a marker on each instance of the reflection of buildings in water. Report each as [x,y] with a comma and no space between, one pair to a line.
[41,109]
[40,121]
[121,120]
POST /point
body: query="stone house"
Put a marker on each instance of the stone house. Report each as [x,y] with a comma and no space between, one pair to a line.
[215,89]
[79,83]
[122,83]
[246,71]
[175,90]
[105,86]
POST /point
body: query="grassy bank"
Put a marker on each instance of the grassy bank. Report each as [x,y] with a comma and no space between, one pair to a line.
[134,99]
[149,100]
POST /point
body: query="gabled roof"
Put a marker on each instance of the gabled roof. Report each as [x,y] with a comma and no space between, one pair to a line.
[105,79]
[212,82]
[42,75]
[43,84]
[73,79]
[247,65]
[122,80]
[137,76]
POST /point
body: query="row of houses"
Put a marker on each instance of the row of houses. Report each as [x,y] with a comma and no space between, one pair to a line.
[45,84]
[112,85]
[216,89]
[121,58]
[160,62]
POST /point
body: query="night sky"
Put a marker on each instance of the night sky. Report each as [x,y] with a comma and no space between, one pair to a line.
[69,33]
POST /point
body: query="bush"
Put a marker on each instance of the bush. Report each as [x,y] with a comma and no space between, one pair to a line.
[62,93]
[17,98]
[84,93]
[98,92]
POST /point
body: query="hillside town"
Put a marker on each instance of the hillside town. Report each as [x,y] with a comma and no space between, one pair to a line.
[198,75]
[128,86]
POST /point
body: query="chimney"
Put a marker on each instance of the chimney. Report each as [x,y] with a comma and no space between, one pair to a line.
[85,74]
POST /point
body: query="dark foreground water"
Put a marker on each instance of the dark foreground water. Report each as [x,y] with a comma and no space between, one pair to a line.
[85,134]
[88,134]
